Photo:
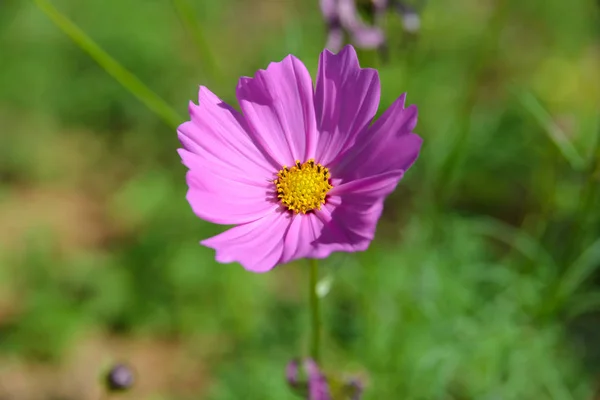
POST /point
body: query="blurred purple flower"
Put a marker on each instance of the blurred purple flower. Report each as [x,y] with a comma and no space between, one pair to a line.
[316,386]
[292,372]
[318,389]
[410,18]
[342,16]
[119,378]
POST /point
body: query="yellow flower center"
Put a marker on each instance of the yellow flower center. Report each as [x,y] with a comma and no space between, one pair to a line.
[303,187]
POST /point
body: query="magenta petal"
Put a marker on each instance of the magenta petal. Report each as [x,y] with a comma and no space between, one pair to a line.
[351,215]
[368,189]
[228,174]
[257,245]
[279,106]
[222,195]
[219,134]
[388,145]
[346,99]
[301,237]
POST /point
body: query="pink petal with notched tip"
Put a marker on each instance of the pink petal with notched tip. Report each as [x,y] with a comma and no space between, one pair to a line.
[279,107]
[346,100]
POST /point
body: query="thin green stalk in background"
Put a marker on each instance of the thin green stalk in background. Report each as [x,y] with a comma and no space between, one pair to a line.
[136,87]
[186,15]
[556,134]
[315,313]
[487,52]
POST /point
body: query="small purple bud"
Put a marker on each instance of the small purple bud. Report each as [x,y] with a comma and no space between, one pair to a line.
[356,389]
[318,389]
[119,378]
[291,372]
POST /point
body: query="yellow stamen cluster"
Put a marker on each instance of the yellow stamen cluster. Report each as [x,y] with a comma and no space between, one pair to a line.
[303,187]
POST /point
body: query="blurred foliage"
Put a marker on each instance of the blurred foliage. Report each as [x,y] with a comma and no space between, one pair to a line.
[481,283]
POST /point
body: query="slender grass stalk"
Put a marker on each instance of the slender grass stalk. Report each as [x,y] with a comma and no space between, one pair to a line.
[315,312]
[555,133]
[448,176]
[207,58]
[129,81]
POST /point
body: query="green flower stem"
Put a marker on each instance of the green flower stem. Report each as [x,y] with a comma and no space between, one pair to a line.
[315,313]
[111,66]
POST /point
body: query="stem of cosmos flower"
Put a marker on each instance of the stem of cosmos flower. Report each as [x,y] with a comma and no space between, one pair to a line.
[315,313]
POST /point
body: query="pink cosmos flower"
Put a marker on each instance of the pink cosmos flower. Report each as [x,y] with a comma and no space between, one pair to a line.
[302,172]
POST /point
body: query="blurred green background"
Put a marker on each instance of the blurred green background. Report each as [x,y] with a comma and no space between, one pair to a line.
[481,283]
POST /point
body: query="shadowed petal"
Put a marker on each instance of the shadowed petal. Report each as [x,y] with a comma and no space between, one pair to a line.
[301,237]
[346,100]
[257,245]
[346,223]
[351,214]
[278,105]
[388,145]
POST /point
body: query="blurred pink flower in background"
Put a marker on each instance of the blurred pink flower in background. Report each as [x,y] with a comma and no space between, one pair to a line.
[342,17]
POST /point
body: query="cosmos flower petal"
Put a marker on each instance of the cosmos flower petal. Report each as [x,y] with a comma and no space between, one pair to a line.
[350,217]
[278,104]
[301,237]
[257,245]
[346,99]
[346,229]
[388,145]
[219,134]
[222,195]
[368,189]
[224,210]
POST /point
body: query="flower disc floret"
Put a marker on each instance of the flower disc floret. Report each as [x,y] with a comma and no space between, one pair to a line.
[303,187]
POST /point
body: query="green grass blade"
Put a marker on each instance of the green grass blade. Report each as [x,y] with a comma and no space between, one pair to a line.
[556,134]
[186,15]
[581,269]
[516,238]
[111,66]
[588,302]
